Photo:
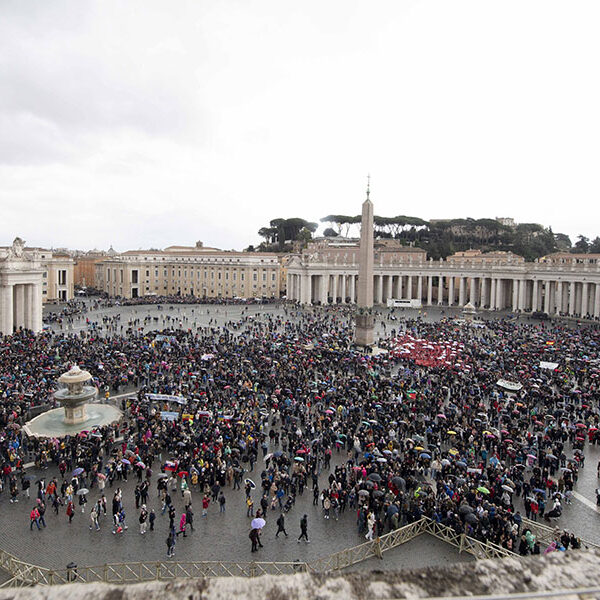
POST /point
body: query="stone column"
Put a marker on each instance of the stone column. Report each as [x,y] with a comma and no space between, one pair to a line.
[352,289]
[19,305]
[409,286]
[387,287]
[29,320]
[6,309]
[451,291]
[379,289]
[400,290]
[343,289]
[547,294]
[334,288]
[37,308]
[597,301]
[429,290]
[584,298]
[493,284]
[534,296]
[515,296]
[472,282]
[420,288]
[305,289]
[559,297]
[571,293]
[288,286]
[324,289]
[522,299]
[461,291]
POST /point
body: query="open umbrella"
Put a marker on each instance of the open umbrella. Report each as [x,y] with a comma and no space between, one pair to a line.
[424,455]
[374,477]
[299,459]
[125,461]
[250,483]
[258,523]
[77,471]
[83,492]
[508,489]
[483,489]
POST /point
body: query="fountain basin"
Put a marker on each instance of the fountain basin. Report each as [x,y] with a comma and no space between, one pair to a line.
[53,424]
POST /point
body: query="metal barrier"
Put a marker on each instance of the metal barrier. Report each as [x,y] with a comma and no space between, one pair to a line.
[547,534]
[25,574]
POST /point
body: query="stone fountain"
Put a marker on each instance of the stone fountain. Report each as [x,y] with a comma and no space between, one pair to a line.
[78,412]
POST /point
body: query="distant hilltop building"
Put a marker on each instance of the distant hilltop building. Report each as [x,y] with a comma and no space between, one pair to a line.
[507,222]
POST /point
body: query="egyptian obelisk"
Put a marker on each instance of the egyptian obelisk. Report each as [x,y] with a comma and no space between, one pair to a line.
[363,334]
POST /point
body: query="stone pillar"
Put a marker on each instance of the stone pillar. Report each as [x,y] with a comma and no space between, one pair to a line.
[324,289]
[461,291]
[597,301]
[547,294]
[409,286]
[472,282]
[534,296]
[380,289]
[493,284]
[352,289]
[420,288]
[571,298]
[515,296]
[288,286]
[6,309]
[395,287]
[387,288]
[343,289]
[584,298]
[19,305]
[29,317]
[429,290]
[400,290]
[451,291]
[559,297]
[334,288]
[306,289]
[440,296]
[522,303]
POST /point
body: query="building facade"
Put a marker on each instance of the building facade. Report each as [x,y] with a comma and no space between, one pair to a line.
[21,277]
[190,271]
[503,282]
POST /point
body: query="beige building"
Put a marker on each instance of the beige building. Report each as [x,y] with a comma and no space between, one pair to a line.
[562,286]
[58,279]
[84,274]
[191,271]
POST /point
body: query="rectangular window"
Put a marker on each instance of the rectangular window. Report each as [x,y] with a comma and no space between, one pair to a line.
[134,278]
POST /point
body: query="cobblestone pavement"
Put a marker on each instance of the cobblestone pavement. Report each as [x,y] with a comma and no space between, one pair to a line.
[224,537]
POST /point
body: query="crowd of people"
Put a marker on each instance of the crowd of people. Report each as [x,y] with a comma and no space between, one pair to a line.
[477,427]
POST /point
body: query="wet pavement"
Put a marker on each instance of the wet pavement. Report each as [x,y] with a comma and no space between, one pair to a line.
[224,536]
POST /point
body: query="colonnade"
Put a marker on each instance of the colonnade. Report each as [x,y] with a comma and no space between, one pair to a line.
[20,307]
[526,293]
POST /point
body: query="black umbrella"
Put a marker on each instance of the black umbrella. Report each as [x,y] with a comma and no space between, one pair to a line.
[374,477]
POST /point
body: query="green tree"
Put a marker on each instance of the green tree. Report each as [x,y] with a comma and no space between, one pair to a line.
[582,245]
[595,245]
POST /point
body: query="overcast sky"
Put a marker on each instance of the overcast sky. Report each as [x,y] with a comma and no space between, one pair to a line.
[146,124]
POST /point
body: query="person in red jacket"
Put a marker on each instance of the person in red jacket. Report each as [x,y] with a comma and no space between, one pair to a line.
[205,503]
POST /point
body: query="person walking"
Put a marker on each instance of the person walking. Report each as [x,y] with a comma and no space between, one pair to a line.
[222,502]
[70,510]
[143,518]
[34,518]
[304,529]
[171,540]
[94,518]
[151,519]
[281,526]
[254,537]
